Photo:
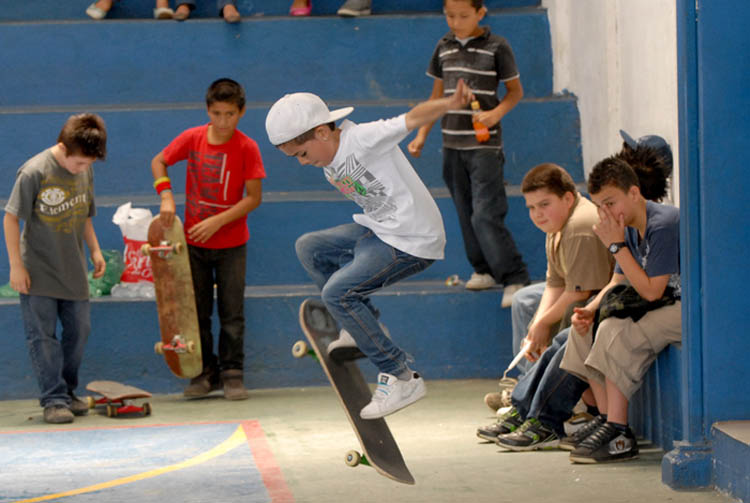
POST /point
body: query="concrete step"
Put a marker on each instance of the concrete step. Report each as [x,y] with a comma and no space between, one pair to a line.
[125,62]
[731,451]
[535,131]
[452,334]
[278,222]
[57,10]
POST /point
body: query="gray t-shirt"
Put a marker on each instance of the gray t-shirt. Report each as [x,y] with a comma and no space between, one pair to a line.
[54,205]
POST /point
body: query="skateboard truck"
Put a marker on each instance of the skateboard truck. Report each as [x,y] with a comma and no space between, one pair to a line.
[354,458]
[177,344]
[164,250]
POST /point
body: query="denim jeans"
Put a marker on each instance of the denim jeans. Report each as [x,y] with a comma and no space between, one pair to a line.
[475,181]
[525,303]
[224,267]
[348,263]
[55,362]
[547,392]
[219,4]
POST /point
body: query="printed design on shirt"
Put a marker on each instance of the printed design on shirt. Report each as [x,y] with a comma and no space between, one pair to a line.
[674,279]
[356,183]
[62,204]
[210,187]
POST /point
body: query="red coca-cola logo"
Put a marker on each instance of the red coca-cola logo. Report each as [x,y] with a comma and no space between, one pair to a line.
[137,265]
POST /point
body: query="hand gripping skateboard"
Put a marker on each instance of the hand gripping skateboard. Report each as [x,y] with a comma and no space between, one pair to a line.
[175,298]
[380,449]
[118,398]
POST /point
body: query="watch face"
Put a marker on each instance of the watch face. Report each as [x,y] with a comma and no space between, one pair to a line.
[615,247]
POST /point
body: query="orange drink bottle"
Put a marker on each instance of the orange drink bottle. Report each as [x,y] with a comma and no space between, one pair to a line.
[480,130]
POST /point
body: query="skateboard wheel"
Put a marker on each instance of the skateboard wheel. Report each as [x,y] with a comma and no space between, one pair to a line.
[352,458]
[299,349]
[146,409]
[91,402]
[177,248]
[111,411]
[159,348]
[145,249]
[191,347]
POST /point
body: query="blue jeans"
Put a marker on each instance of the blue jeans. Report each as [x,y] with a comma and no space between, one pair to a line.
[547,392]
[475,181]
[224,267]
[525,303]
[348,263]
[55,362]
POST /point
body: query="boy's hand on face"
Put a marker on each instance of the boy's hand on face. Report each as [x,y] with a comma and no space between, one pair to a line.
[20,280]
[610,228]
[100,265]
[582,319]
[203,230]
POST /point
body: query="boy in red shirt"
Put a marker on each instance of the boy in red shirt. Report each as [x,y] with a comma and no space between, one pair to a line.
[224,184]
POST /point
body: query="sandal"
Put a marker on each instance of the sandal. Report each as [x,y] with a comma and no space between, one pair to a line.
[163,13]
[301,11]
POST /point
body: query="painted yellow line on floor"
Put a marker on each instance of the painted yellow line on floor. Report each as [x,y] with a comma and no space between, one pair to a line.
[235,440]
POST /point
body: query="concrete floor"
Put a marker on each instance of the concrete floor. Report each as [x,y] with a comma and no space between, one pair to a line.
[309,435]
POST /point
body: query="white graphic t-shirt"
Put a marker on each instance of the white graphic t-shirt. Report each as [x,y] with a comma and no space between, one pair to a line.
[370,169]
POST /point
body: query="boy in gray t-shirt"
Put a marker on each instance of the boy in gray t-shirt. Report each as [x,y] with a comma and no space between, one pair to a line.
[54,196]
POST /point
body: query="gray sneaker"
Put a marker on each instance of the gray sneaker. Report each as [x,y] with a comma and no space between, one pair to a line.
[77,406]
[355,8]
[57,414]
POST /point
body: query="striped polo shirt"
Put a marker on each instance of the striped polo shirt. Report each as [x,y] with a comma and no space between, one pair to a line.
[483,63]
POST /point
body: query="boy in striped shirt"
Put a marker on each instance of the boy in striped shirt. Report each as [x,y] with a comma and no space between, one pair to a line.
[473,170]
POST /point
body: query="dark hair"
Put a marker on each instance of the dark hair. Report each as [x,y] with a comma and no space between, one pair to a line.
[548,176]
[651,168]
[477,4]
[612,171]
[310,134]
[84,135]
[225,91]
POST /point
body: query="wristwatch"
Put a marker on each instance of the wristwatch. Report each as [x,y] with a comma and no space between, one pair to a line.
[615,247]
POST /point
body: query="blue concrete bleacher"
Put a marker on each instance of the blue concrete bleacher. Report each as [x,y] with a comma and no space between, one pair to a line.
[147,79]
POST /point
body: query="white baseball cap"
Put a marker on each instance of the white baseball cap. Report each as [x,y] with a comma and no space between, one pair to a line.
[298,113]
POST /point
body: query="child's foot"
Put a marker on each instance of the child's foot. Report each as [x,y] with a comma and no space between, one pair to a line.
[508,292]
[605,445]
[234,388]
[57,414]
[393,394]
[480,281]
[77,406]
[573,440]
[202,385]
[182,12]
[355,8]
[507,423]
[98,10]
[231,14]
[300,8]
[530,436]
[162,10]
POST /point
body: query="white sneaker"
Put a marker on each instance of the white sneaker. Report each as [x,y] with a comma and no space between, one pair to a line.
[346,341]
[480,281]
[508,292]
[393,394]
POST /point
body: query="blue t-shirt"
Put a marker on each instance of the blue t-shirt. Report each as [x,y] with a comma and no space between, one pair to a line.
[659,251]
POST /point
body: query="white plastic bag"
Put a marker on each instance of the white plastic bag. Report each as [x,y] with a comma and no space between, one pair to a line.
[133,223]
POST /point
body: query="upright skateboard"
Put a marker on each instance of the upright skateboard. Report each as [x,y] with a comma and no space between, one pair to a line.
[118,398]
[380,449]
[175,298]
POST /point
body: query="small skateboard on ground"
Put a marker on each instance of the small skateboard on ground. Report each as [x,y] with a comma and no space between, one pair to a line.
[175,298]
[118,398]
[380,449]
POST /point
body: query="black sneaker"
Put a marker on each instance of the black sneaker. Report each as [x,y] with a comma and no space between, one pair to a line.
[607,444]
[570,442]
[507,423]
[530,436]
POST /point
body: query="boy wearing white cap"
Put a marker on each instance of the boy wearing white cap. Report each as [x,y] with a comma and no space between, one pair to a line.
[399,233]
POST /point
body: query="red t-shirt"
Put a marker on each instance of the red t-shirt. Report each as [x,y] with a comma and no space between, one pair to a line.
[216,176]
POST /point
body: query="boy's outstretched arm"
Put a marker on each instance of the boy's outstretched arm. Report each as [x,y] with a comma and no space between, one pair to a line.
[416,145]
[431,110]
[513,94]
[20,280]
[168,208]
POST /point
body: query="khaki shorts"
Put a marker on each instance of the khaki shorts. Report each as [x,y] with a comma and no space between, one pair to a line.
[624,349]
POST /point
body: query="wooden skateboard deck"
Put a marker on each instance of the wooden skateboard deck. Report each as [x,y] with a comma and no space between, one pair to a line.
[175,298]
[118,398]
[380,448]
